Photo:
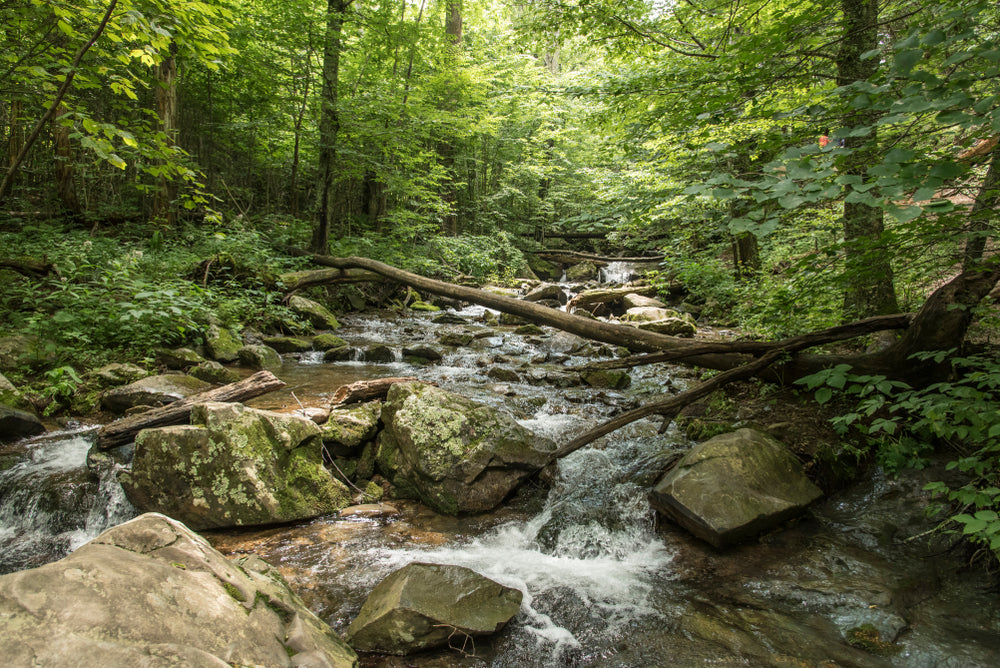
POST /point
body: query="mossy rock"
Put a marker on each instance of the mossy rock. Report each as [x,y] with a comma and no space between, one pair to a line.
[341,354]
[327,341]
[503,375]
[317,314]
[421,355]
[211,371]
[424,306]
[529,330]
[456,339]
[222,344]
[868,638]
[260,357]
[379,354]
[178,358]
[608,379]
[233,466]
[350,427]
[289,344]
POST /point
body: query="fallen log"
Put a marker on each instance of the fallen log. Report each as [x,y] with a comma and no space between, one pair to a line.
[32,268]
[367,390]
[297,280]
[122,432]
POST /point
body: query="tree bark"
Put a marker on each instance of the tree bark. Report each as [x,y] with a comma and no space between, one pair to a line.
[297,280]
[64,165]
[166,110]
[122,432]
[329,126]
[870,289]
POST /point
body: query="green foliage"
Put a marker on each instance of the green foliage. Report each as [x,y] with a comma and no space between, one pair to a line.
[905,425]
[61,384]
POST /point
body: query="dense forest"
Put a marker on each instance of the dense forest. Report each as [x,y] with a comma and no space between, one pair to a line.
[797,165]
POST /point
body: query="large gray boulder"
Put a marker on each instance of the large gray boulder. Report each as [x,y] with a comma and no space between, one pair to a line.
[233,466]
[152,593]
[660,320]
[259,356]
[454,454]
[421,606]
[733,487]
[152,391]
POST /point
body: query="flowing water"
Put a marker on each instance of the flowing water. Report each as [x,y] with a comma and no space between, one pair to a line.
[604,583]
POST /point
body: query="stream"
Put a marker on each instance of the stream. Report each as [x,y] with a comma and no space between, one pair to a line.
[604,582]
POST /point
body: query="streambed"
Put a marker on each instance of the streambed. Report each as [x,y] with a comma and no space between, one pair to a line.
[604,583]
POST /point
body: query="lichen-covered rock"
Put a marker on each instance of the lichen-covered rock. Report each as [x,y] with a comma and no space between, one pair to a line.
[633,300]
[454,454]
[421,606]
[15,424]
[152,391]
[317,314]
[178,358]
[670,327]
[733,487]
[289,344]
[349,427]
[660,320]
[152,593]
[456,339]
[258,357]
[545,270]
[233,466]
[222,345]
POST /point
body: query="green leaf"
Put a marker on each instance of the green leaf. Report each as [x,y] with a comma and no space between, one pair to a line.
[823,395]
[906,59]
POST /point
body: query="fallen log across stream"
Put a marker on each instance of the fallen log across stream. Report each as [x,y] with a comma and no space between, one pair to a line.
[937,326]
[122,432]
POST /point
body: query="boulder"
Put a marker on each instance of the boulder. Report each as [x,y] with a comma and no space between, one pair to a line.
[545,270]
[15,424]
[152,391]
[112,375]
[152,593]
[211,371]
[585,271]
[421,355]
[259,357]
[733,487]
[456,339]
[379,354]
[288,344]
[317,314]
[670,327]
[454,454]
[607,378]
[660,320]
[221,344]
[632,300]
[449,319]
[10,396]
[421,606]
[233,466]
[349,427]
[341,354]
[547,291]
[503,374]
[328,341]
[178,358]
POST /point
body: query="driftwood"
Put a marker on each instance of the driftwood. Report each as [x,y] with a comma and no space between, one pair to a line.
[608,295]
[122,432]
[367,390]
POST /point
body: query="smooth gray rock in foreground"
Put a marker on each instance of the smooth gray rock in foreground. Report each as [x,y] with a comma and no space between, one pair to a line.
[151,592]
[152,391]
[733,487]
[421,606]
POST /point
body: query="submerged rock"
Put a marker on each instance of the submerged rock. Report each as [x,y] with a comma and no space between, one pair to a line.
[152,391]
[233,466]
[454,454]
[421,606]
[733,487]
[152,593]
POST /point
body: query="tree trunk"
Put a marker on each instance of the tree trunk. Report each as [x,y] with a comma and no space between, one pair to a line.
[870,289]
[122,432]
[329,126]
[447,148]
[164,207]
[65,171]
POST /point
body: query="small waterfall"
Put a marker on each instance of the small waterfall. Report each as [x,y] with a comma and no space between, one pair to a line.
[588,564]
[52,504]
[617,273]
